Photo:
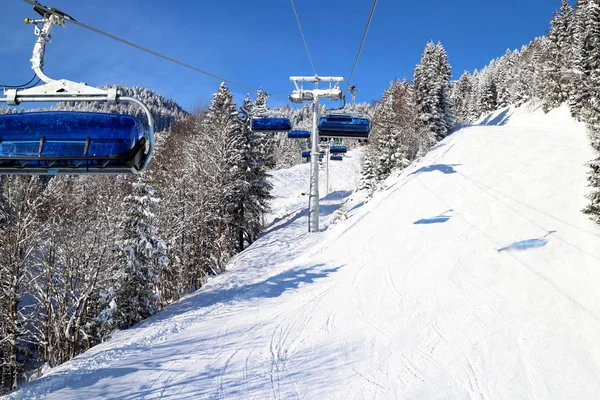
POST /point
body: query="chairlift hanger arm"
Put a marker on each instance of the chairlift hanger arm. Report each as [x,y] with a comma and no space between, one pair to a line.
[316,78]
[299,81]
[59,13]
[300,94]
[42,10]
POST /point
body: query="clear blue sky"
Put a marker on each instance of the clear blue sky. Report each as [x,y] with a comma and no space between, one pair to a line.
[258,44]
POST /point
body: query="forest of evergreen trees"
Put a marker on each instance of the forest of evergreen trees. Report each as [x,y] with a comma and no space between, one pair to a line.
[83,256]
[561,67]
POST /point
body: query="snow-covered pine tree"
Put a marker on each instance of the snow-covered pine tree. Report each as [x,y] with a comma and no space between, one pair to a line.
[512,71]
[473,110]
[256,201]
[585,99]
[540,59]
[593,209]
[368,180]
[405,117]
[556,65]
[488,92]
[585,59]
[461,93]
[527,72]
[425,83]
[431,81]
[521,80]
[396,138]
[444,101]
[142,253]
[384,135]
[235,158]
[593,111]
[260,102]
[503,78]
[268,142]
[223,160]
[550,68]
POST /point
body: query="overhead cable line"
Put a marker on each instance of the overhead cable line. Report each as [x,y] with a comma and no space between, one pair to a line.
[51,11]
[303,38]
[19,86]
[362,42]
[32,85]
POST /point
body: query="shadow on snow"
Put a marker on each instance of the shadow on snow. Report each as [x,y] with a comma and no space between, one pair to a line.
[443,168]
[499,120]
[527,244]
[432,220]
[324,210]
[438,219]
[271,287]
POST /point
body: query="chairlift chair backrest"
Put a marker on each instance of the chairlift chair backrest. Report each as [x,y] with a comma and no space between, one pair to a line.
[337,149]
[298,134]
[71,142]
[271,124]
[344,126]
[306,154]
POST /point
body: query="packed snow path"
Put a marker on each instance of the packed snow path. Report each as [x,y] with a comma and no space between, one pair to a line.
[473,276]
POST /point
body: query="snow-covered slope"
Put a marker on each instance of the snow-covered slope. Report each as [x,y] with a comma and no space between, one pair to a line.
[472,276]
[291,186]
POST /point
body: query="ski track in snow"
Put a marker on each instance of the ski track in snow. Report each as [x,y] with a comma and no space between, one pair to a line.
[428,291]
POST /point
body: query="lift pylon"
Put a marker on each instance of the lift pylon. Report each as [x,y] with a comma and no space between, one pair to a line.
[300,95]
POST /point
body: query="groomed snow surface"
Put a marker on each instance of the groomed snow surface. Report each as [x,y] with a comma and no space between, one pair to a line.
[474,275]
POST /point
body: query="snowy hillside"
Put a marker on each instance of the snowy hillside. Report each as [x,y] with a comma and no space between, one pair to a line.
[472,276]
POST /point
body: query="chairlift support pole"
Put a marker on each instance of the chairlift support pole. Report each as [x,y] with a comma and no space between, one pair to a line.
[300,95]
[327,171]
[313,199]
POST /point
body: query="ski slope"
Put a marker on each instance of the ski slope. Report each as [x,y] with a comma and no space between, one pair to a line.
[472,276]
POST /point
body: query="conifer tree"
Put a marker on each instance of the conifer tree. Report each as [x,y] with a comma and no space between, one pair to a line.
[488,93]
[268,143]
[556,65]
[142,253]
[444,101]
[593,112]
[224,164]
[579,98]
[503,78]
[473,110]
[368,180]
[593,209]
[461,93]
[255,201]
[585,95]
[431,81]
[385,135]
